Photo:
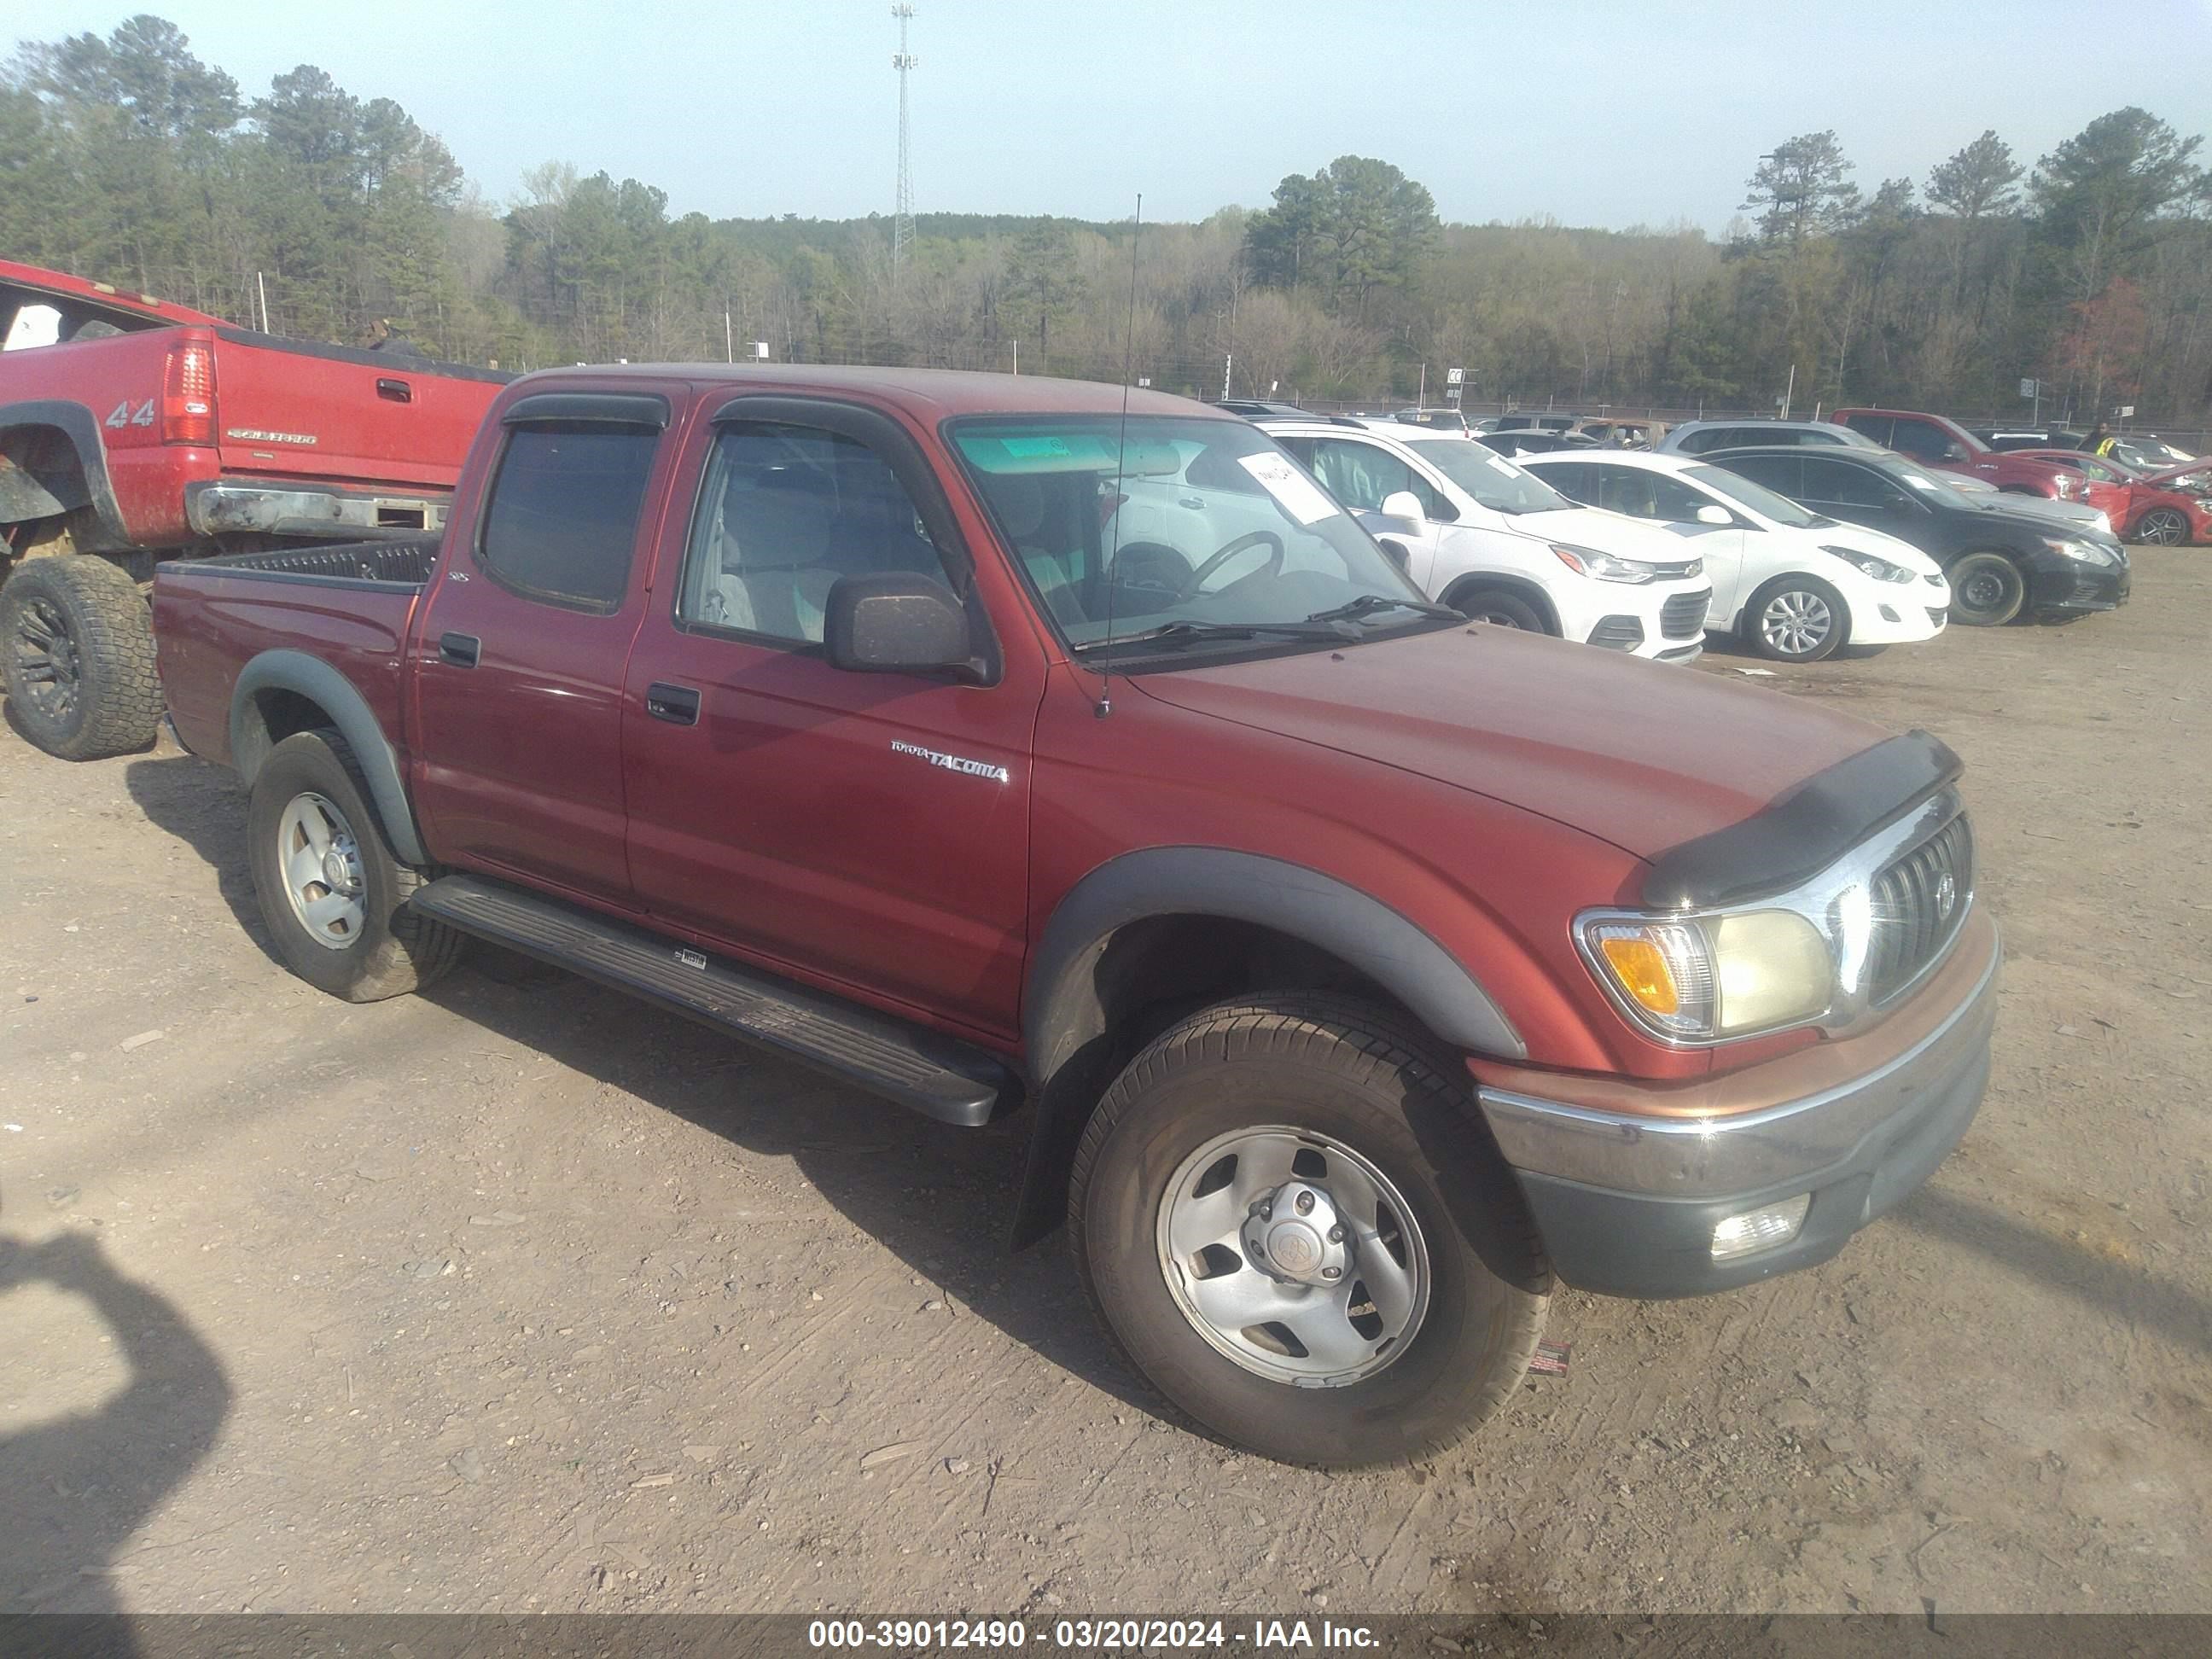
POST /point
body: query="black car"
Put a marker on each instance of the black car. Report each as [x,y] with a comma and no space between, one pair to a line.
[1259,408]
[2002,564]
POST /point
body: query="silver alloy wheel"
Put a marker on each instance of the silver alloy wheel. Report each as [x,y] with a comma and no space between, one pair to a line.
[1294,1256]
[320,861]
[2162,528]
[1795,623]
[1495,619]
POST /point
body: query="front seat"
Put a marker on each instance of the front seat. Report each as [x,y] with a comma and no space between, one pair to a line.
[774,578]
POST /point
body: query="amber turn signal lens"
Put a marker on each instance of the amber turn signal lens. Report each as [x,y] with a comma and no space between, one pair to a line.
[1640,966]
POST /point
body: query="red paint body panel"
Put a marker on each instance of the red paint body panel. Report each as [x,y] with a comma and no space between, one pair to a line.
[1485,784]
[2126,503]
[321,420]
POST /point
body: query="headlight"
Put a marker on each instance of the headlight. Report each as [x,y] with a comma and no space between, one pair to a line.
[1700,978]
[2086,552]
[1880,569]
[1588,561]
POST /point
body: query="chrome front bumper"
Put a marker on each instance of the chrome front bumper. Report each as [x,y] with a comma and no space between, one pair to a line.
[1627,1204]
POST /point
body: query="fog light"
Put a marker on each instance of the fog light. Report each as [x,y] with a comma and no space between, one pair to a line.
[1887,615]
[1760,1229]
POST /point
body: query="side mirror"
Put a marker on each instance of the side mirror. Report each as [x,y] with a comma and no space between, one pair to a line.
[896,622]
[1396,554]
[1403,504]
[1712,513]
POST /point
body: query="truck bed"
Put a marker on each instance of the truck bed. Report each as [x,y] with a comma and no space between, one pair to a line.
[349,604]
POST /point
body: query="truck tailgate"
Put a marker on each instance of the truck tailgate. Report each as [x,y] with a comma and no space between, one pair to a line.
[349,606]
[314,411]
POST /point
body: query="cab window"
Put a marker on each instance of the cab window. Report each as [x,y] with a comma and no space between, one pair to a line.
[784,511]
[1364,476]
[563,518]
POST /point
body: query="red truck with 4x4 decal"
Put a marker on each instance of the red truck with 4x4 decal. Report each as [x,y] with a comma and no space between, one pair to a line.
[1360,970]
[135,429]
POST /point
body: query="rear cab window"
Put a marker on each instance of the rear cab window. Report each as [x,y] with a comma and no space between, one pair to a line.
[560,525]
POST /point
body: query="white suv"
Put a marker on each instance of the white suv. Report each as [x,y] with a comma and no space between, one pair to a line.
[1497,544]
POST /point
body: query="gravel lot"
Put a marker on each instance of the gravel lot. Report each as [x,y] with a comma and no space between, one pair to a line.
[521,1297]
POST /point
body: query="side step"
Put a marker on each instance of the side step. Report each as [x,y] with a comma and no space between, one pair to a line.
[938,1076]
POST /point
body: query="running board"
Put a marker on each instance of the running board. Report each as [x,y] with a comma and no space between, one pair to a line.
[938,1076]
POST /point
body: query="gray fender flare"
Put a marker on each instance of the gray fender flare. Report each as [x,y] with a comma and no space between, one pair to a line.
[1063,1016]
[330,691]
[82,427]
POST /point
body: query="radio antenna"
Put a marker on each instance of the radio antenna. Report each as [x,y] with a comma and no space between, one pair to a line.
[1105,705]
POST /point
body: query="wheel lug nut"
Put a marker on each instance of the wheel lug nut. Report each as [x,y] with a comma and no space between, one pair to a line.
[1305,1203]
[1336,1234]
[1267,1211]
[1332,1273]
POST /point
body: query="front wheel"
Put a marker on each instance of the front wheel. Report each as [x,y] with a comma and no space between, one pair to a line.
[2162,526]
[76,648]
[1289,1222]
[1987,590]
[1796,618]
[1500,609]
[332,894]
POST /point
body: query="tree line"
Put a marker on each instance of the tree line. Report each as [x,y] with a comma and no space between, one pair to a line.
[129,159]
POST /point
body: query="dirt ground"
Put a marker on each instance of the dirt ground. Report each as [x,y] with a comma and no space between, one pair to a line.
[521,1297]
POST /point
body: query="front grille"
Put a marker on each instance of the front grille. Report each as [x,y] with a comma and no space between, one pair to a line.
[1684,615]
[1919,902]
[1617,634]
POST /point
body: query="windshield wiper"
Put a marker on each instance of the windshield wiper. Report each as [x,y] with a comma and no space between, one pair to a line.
[1195,632]
[1367,603]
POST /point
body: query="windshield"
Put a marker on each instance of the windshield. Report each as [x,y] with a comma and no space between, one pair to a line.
[1756,497]
[1204,523]
[1932,487]
[1494,481]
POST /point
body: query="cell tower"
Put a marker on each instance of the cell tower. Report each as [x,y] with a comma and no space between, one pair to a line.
[902,215]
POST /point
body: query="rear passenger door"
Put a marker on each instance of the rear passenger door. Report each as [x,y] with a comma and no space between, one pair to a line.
[865,831]
[516,728]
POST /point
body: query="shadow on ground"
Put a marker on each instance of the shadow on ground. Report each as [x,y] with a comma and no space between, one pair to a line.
[76,1489]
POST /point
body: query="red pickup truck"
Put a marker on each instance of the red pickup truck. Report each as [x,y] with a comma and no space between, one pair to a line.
[1943,443]
[1359,970]
[135,429]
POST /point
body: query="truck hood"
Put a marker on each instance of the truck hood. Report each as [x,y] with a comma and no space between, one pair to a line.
[2170,477]
[1646,756]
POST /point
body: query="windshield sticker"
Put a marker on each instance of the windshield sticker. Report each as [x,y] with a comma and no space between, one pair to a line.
[1919,482]
[1025,448]
[1295,493]
[1499,463]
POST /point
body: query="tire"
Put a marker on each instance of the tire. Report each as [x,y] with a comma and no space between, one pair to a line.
[355,938]
[1331,1092]
[1500,609]
[1796,618]
[1987,590]
[2162,526]
[76,649]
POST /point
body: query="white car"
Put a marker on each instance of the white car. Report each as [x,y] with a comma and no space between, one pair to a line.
[1493,542]
[1793,586]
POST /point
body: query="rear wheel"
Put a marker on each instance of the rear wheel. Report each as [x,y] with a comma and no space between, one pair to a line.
[1498,608]
[1289,1223]
[332,893]
[1796,618]
[2162,526]
[1987,590]
[77,650]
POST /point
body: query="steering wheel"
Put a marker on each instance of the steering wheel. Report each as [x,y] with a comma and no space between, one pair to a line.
[1196,585]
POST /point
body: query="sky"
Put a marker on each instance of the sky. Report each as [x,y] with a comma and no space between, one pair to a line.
[1596,112]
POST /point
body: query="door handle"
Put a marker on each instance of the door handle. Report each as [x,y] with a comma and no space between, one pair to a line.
[677,704]
[398,391]
[459,649]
